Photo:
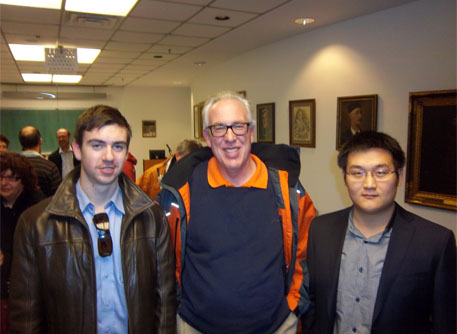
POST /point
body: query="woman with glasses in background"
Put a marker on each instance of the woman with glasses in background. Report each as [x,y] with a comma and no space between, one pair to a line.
[18,192]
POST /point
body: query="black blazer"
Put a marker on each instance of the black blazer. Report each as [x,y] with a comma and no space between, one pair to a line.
[417,289]
[57,159]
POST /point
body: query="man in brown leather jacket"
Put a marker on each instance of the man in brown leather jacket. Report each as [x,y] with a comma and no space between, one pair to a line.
[96,257]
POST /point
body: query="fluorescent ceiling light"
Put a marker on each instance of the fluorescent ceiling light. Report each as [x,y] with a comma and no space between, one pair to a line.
[305,20]
[104,7]
[27,52]
[36,53]
[51,4]
[36,77]
[61,78]
[87,56]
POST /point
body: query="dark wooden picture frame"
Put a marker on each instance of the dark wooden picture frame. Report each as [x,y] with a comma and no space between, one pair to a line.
[431,166]
[266,122]
[355,113]
[148,129]
[302,123]
[198,120]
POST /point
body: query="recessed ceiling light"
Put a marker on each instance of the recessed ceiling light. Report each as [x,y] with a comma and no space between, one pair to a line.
[158,56]
[304,20]
[24,52]
[36,77]
[200,63]
[50,4]
[64,78]
[222,18]
[104,7]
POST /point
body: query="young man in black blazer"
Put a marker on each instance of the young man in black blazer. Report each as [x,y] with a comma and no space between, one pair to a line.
[375,267]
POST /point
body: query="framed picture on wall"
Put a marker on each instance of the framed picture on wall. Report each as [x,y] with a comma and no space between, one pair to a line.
[198,120]
[355,114]
[302,123]
[242,93]
[431,167]
[149,128]
[266,122]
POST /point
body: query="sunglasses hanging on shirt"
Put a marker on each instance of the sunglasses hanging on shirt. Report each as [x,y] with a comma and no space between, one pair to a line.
[105,244]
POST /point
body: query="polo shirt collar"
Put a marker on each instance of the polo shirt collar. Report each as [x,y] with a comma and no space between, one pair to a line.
[258,180]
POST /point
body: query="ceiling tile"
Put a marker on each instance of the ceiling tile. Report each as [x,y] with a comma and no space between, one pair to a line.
[27,39]
[29,14]
[184,40]
[200,30]
[85,33]
[146,25]
[82,43]
[164,10]
[248,6]
[207,16]
[137,37]
[193,2]
[119,54]
[127,46]
[108,60]
[159,48]
[22,28]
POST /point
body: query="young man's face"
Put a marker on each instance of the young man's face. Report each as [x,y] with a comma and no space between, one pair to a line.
[369,195]
[103,153]
[231,151]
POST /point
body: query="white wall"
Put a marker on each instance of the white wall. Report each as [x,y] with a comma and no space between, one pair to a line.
[169,107]
[391,53]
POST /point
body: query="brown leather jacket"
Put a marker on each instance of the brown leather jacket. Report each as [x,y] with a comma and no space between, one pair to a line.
[53,286]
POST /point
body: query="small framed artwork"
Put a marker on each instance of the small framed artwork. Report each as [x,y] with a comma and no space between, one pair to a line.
[266,123]
[302,123]
[242,93]
[355,114]
[431,167]
[149,128]
[198,120]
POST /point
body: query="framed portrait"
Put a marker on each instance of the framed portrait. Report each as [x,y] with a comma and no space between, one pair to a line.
[431,166]
[355,114]
[198,120]
[302,123]
[266,123]
[149,128]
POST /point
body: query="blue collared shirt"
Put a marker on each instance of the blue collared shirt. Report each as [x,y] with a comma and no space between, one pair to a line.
[362,261]
[111,305]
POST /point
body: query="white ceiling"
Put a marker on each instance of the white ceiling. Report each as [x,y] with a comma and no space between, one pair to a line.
[158,43]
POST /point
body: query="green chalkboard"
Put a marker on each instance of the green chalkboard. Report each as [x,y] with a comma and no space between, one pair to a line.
[47,121]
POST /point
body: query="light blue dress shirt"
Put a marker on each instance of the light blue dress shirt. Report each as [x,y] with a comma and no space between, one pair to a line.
[112,314]
[361,266]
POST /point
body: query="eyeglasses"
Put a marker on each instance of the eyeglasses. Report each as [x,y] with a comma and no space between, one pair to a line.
[220,130]
[9,178]
[378,174]
[105,244]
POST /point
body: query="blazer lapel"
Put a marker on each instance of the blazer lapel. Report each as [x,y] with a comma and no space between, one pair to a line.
[402,232]
[335,246]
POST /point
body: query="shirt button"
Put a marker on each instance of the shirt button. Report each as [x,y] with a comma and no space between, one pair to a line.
[357,299]
[354,329]
[360,269]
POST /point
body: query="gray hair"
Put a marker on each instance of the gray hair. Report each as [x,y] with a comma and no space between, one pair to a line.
[187,146]
[226,95]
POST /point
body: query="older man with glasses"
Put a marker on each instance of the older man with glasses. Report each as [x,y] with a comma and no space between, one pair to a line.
[375,267]
[239,219]
[96,257]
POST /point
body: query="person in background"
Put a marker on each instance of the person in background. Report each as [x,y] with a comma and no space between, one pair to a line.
[48,175]
[18,192]
[96,257]
[63,157]
[149,181]
[375,267]
[4,142]
[239,220]
[129,167]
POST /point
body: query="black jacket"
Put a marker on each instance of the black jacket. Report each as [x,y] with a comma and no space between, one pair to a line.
[57,160]
[53,287]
